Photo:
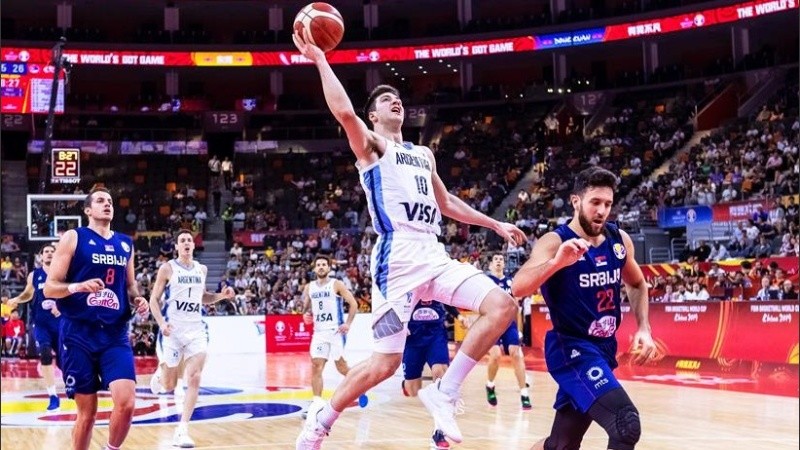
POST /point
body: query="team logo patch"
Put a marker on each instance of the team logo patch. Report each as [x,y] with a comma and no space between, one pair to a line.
[619,251]
[125,247]
[594,373]
[105,298]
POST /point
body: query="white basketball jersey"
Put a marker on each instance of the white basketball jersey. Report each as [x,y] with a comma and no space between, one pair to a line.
[400,192]
[325,306]
[184,293]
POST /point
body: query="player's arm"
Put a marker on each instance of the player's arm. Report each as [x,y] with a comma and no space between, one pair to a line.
[639,299]
[549,255]
[362,140]
[162,277]
[56,285]
[24,296]
[306,299]
[453,207]
[213,297]
[348,297]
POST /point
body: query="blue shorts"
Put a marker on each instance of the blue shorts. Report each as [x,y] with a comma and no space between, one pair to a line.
[429,348]
[509,337]
[92,356]
[582,369]
[46,339]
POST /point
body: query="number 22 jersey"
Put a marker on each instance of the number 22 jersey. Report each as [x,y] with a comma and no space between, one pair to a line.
[584,298]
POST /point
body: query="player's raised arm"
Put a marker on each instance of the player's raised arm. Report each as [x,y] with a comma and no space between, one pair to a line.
[455,208]
[549,255]
[362,141]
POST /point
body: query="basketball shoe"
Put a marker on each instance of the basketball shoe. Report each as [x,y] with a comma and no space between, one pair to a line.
[181,437]
[438,441]
[443,409]
[491,396]
[55,403]
[313,432]
[155,382]
[526,402]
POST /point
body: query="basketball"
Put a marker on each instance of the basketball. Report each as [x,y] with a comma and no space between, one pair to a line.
[324,23]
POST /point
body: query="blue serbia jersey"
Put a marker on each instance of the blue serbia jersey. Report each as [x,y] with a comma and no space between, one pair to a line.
[42,306]
[427,318]
[503,283]
[106,259]
[584,298]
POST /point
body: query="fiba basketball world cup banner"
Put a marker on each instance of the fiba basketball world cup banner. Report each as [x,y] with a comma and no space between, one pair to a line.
[750,331]
[287,333]
[684,216]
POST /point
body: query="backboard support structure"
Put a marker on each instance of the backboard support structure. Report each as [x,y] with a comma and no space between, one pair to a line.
[50,215]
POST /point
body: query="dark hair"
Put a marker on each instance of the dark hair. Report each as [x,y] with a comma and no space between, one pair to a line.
[182,231]
[318,257]
[498,254]
[377,92]
[594,177]
[41,250]
[87,202]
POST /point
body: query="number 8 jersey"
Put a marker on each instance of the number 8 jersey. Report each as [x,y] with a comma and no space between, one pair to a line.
[583,298]
[106,259]
[325,306]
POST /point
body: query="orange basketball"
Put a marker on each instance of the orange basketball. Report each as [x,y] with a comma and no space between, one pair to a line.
[324,22]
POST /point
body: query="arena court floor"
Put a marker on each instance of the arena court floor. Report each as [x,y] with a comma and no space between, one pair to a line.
[253,402]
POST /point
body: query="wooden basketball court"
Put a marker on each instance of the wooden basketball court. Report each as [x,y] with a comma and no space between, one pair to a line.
[249,402]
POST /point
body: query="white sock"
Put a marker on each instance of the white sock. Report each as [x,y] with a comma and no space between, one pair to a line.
[327,415]
[524,392]
[490,384]
[459,368]
[317,398]
[51,390]
[111,447]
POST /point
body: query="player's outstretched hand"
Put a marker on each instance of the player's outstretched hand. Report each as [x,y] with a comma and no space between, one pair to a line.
[643,347]
[228,293]
[570,251]
[511,233]
[93,285]
[304,45]
[142,306]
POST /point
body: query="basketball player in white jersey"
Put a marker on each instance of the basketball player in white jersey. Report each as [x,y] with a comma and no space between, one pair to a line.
[183,334]
[406,199]
[322,307]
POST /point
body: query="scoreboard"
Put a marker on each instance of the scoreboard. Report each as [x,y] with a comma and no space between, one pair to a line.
[25,87]
[66,165]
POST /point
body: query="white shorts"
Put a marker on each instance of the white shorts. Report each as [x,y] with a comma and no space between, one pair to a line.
[407,267]
[186,340]
[327,344]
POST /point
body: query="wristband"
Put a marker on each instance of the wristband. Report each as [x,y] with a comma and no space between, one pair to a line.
[72,288]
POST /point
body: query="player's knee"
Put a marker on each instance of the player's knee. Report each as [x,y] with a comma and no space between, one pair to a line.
[46,356]
[342,367]
[385,365]
[193,379]
[125,405]
[626,430]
